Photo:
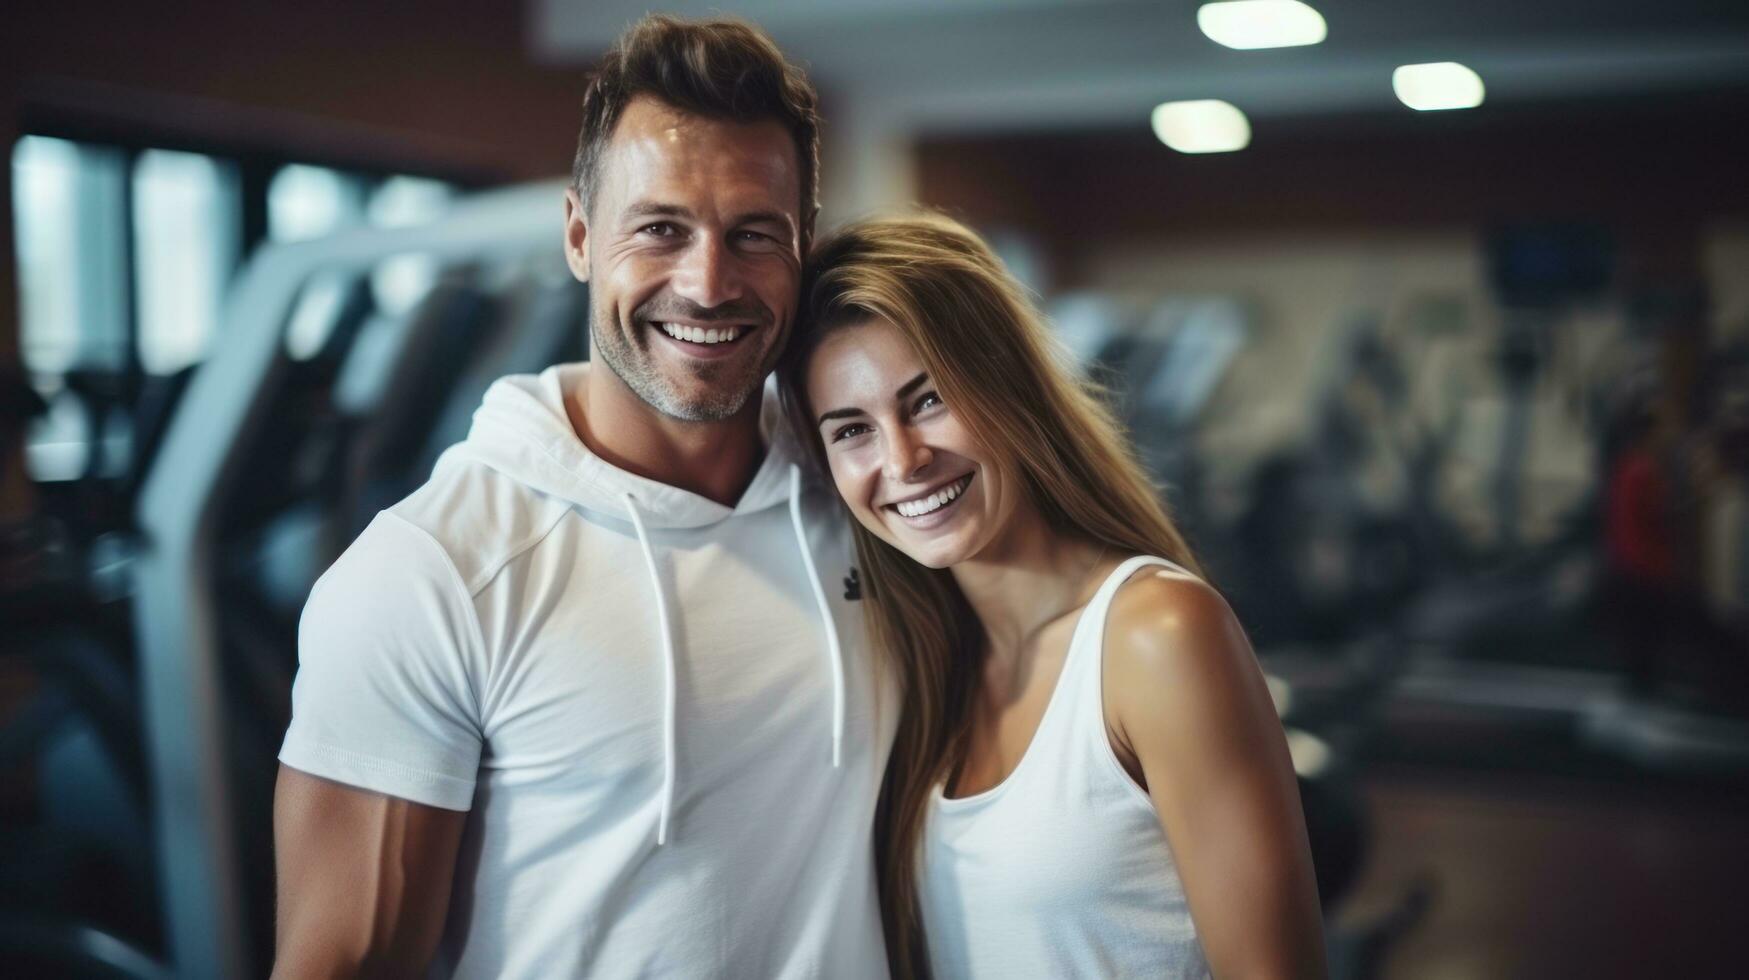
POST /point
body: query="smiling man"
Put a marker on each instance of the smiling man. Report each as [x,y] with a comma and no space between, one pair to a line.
[590,702]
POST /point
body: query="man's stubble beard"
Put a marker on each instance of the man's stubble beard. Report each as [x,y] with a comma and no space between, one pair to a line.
[635,364]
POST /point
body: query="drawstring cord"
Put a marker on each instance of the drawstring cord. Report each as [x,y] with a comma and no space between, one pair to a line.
[669,667]
[834,654]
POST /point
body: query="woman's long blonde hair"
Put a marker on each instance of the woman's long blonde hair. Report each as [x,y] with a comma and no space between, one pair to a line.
[996,364]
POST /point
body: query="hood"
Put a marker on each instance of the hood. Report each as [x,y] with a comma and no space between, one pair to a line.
[522,431]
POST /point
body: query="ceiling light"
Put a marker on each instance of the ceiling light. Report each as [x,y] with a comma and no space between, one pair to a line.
[1440,85]
[1248,24]
[1201,126]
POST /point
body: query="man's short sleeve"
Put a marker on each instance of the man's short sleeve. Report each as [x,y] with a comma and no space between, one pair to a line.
[388,655]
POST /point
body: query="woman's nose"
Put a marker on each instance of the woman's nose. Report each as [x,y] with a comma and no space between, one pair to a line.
[906,456]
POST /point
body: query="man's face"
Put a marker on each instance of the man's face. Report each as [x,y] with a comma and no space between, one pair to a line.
[692,252]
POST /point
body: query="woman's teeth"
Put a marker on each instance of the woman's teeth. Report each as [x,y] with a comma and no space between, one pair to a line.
[935,501]
[700,335]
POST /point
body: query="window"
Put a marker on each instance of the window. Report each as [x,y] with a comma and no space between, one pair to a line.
[306,202]
[403,281]
[187,226]
[70,241]
[126,251]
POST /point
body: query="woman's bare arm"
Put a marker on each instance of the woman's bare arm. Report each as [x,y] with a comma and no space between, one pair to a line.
[1188,706]
[364,879]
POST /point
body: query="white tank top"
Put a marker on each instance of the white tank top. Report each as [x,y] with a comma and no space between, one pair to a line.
[1060,870]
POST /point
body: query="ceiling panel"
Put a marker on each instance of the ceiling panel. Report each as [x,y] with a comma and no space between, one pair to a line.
[1059,63]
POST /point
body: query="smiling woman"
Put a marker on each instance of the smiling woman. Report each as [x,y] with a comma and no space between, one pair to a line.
[909,469]
[1062,662]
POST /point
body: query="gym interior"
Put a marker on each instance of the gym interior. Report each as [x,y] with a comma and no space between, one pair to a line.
[1433,329]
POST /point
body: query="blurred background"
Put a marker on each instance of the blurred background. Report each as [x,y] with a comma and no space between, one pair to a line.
[1432,319]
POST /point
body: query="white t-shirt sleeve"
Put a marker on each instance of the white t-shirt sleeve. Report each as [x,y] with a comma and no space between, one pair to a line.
[389,652]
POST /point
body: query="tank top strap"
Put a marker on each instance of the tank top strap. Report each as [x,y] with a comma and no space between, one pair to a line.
[1083,669]
[1073,876]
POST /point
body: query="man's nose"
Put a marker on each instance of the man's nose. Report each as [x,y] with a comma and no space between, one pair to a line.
[709,273]
[907,455]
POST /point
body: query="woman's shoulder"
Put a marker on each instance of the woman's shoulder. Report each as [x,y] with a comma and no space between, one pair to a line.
[1163,607]
[1169,634]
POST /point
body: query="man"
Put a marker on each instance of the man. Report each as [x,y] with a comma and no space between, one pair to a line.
[593,701]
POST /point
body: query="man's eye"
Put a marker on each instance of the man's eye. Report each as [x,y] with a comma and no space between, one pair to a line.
[757,240]
[847,431]
[660,229]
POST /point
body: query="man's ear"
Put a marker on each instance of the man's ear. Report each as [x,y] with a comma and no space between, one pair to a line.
[576,235]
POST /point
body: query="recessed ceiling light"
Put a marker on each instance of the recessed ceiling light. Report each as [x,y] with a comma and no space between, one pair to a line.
[1248,24]
[1440,85]
[1201,126]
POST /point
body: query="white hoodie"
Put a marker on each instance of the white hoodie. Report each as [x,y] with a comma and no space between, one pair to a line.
[660,712]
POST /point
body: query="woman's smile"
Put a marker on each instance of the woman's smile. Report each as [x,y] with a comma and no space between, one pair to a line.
[932,507]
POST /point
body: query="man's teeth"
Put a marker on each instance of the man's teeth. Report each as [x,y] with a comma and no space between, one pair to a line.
[933,502]
[700,335]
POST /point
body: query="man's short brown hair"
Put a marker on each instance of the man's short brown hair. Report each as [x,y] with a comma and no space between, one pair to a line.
[719,69]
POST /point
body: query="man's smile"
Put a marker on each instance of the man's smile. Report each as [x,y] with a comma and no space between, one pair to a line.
[724,334]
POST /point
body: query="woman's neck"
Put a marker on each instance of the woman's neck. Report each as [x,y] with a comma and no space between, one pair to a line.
[1030,577]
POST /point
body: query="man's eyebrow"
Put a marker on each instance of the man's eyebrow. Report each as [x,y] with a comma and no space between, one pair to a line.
[654,209]
[765,217]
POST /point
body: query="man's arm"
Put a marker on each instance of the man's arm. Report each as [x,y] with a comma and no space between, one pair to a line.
[363,879]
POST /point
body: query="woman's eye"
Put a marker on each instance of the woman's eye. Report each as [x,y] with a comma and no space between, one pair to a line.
[845,432]
[928,399]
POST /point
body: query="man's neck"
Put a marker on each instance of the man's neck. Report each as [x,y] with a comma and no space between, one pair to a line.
[715,460]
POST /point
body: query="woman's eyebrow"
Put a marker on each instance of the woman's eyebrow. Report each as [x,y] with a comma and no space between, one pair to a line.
[838,413]
[904,390]
[910,386]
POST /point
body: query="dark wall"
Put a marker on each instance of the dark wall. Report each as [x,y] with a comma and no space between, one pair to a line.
[1649,170]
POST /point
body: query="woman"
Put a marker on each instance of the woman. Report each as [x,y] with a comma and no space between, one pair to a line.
[1089,778]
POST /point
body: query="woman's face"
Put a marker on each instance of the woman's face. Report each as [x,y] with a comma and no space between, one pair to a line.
[907,466]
